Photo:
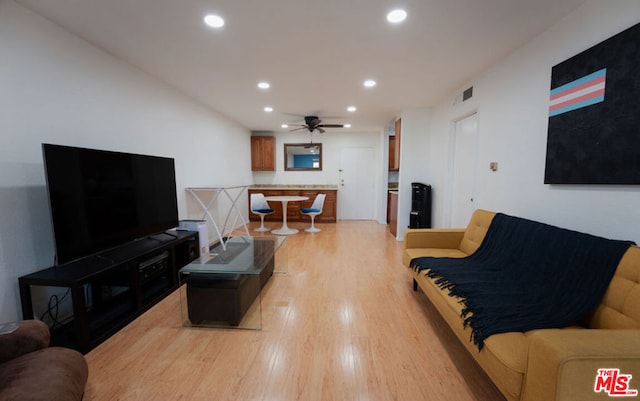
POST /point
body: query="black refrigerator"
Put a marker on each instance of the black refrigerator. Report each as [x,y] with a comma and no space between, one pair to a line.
[420,215]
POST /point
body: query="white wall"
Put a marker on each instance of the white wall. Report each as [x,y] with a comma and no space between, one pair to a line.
[512,102]
[57,88]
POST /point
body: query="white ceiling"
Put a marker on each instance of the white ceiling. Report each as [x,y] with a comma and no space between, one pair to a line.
[315,54]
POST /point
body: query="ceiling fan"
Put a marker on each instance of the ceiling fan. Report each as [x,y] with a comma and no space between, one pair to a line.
[313,123]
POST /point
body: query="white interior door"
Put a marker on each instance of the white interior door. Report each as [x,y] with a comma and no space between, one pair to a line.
[465,164]
[356,200]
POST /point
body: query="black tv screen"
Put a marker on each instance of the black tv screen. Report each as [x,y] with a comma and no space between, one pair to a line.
[101,199]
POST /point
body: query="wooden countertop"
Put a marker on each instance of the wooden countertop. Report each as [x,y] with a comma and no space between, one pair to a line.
[294,187]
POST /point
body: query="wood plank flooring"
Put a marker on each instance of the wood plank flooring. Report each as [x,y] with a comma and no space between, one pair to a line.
[342,324]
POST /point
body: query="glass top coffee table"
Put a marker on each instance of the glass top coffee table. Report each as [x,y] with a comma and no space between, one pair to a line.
[222,288]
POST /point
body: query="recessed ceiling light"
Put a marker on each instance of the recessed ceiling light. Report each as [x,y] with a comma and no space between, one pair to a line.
[285,125]
[397,16]
[347,125]
[369,83]
[351,109]
[214,21]
[264,85]
[268,109]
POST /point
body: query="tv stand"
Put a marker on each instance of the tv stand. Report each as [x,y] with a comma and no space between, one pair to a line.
[170,234]
[112,288]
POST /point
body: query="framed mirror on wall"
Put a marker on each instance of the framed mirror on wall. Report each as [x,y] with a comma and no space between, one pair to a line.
[303,157]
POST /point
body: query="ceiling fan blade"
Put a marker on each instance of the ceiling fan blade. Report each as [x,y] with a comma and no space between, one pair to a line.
[331,125]
[320,130]
[298,129]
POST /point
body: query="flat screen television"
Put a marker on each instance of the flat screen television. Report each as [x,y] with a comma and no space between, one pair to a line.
[101,199]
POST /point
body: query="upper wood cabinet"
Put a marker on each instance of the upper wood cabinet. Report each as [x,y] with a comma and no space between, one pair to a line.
[393,165]
[263,153]
[394,148]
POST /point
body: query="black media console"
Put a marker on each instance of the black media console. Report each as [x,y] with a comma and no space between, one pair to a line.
[112,288]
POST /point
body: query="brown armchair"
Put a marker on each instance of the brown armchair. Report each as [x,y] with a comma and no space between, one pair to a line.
[31,370]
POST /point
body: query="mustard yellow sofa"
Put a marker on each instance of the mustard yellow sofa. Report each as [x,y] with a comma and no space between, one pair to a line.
[560,364]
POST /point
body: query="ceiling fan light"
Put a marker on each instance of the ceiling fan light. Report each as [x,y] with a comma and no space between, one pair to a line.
[214,21]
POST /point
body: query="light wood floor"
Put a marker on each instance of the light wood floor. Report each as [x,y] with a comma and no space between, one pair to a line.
[342,324]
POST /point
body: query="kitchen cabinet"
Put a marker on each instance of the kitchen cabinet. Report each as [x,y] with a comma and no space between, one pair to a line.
[392,154]
[392,212]
[263,153]
[394,147]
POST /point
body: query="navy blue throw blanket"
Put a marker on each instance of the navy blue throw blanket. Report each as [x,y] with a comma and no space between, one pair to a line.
[527,275]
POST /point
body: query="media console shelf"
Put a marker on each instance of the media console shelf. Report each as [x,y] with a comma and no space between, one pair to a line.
[112,288]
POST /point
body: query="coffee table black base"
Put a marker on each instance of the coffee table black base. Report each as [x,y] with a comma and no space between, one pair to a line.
[220,297]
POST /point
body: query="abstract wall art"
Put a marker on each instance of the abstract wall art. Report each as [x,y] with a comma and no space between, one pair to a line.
[594,115]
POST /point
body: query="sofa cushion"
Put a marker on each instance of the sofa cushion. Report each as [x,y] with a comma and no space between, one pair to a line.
[476,230]
[620,305]
[503,363]
[52,373]
[30,335]
[412,253]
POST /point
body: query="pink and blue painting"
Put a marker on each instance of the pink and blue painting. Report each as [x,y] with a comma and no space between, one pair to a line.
[594,115]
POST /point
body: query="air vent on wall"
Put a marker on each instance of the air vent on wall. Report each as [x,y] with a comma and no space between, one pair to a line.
[467,94]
